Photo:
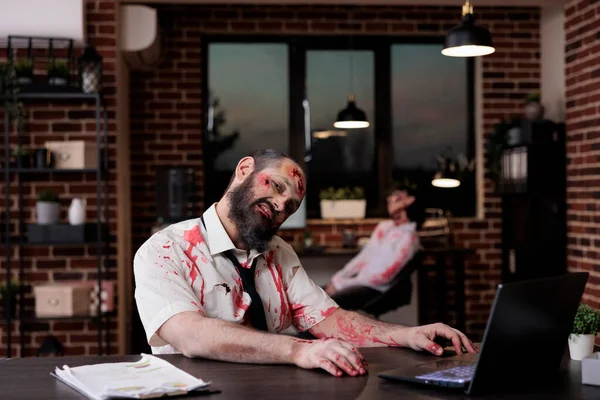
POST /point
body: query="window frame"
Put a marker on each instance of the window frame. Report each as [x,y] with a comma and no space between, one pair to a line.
[382,49]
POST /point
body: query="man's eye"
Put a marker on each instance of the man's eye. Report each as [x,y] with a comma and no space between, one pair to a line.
[277,186]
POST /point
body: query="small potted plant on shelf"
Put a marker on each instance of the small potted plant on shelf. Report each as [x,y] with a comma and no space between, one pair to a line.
[24,71]
[47,208]
[343,203]
[58,73]
[22,157]
[585,328]
[9,298]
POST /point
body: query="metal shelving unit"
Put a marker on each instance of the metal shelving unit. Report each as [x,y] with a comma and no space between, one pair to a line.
[102,235]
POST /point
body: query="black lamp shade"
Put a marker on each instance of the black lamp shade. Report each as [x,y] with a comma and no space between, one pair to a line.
[90,70]
[468,40]
[351,117]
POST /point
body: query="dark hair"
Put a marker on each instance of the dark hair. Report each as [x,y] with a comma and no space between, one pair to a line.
[265,158]
[406,187]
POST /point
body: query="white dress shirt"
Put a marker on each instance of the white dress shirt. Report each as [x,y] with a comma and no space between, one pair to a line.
[183,268]
[390,247]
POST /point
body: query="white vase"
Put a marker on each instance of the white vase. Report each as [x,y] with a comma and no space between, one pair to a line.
[77,211]
[343,209]
[581,346]
[47,212]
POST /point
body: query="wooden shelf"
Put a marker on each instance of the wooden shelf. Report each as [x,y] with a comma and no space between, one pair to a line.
[50,170]
[33,318]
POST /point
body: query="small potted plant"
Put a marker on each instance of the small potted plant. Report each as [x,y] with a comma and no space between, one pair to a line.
[22,157]
[58,73]
[9,298]
[585,328]
[24,71]
[343,203]
[47,208]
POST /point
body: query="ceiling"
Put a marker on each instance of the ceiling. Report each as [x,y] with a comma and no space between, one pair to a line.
[458,3]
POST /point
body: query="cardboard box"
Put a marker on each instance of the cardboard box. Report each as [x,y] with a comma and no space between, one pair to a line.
[74,154]
[60,300]
[107,295]
[590,370]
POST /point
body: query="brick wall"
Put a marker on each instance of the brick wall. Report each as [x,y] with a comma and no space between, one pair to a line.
[582,20]
[64,120]
[166,103]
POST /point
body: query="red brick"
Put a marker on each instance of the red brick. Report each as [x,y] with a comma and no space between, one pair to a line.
[50,264]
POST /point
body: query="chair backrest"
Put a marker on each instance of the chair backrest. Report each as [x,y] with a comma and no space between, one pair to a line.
[399,293]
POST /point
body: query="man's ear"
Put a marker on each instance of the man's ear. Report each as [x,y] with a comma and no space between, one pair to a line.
[244,168]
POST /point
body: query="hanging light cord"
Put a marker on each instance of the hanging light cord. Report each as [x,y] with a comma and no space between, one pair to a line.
[351,59]
[351,56]
[467,8]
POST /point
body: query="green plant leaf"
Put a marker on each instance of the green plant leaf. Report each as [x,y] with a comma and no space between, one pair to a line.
[48,196]
[587,321]
[345,193]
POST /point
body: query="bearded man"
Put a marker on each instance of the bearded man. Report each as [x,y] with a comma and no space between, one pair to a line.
[223,285]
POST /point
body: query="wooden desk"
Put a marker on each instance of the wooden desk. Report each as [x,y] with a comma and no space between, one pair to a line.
[29,378]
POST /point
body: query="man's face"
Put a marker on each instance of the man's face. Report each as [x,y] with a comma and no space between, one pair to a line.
[397,202]
[264,200]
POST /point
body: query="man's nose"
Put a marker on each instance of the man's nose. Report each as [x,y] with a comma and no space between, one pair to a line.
[278,204]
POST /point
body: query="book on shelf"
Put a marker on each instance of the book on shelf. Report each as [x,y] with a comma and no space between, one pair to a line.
[150,377]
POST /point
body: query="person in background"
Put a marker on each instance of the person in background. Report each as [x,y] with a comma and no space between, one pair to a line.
[391,246]
[223,285]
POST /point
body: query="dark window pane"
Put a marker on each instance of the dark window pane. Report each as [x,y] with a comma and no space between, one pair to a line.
[251,83]
[346,160]
[249,94]
[429,117]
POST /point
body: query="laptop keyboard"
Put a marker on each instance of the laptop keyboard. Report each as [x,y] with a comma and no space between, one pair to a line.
[463,373]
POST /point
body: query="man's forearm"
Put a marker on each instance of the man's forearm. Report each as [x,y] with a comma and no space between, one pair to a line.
[226,341]
[359,330]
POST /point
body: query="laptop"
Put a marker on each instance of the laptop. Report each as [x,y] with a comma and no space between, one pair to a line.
[523,344]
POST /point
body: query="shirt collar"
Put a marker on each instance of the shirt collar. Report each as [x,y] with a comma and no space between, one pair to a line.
[217,238]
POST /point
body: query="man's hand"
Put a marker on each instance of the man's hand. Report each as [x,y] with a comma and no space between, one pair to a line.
[422,338]
[332,355]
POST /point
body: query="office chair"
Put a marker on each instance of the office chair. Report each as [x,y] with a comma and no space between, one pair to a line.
[399,293]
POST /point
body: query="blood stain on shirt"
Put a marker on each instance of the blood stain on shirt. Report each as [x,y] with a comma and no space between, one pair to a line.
[300,317]
[277,275]
[328,312]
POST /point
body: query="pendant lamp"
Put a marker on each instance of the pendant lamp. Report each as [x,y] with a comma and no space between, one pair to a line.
[467,39]
[443,179]
[447,175]
[351,117]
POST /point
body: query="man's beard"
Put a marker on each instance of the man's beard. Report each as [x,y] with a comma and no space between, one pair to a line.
[254,229]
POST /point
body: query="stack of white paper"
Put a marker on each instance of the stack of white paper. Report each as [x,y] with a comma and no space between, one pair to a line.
[149,377]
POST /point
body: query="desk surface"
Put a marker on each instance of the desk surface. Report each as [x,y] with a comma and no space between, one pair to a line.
[29,378]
